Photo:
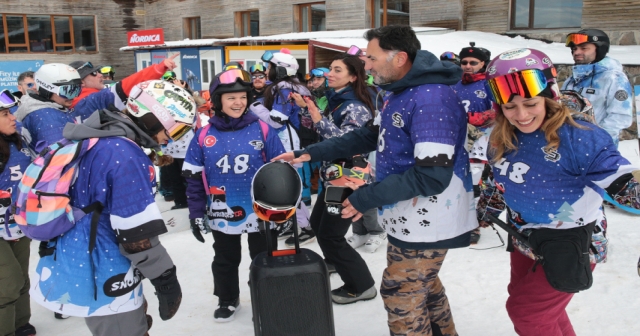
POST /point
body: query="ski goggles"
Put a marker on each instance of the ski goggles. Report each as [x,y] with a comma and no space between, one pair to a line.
[7,100]
[336,171]
[272,213]
[267,56]
[578,38]
[257,68]
[525,83]
[68,91]
[317,73]
[169,76]
[232,75]
[354,51]
[448,55]
[175,129]
[107,70]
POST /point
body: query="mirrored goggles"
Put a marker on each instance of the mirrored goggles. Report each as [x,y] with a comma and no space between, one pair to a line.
[169,76]
[577,39]
[106,70]
[448,55]
[267,56]
[7,100]
[336,171]
[69,91]
[232,75]
[271,213]
[257,67]
[317,73]
[525,83]
[354,51]
[258,76]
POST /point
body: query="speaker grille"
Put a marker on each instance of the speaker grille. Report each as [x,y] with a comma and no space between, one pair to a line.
[294,305]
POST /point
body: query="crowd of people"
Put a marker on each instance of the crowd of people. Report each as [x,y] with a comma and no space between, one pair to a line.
[423,151]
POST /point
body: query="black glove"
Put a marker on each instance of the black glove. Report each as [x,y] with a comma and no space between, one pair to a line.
[198,225]
[168,292]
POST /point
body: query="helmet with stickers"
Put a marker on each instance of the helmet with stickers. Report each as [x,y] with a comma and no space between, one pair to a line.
[157,104]
[524,72]
[357,171]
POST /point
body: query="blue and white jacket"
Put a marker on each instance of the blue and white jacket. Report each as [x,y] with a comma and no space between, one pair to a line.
[609,91]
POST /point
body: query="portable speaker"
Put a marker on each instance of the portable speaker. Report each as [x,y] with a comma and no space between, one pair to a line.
[290,292]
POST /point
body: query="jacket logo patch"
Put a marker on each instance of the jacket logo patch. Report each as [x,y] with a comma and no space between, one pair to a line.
[621,95]
[480,94]
[210,141]
[397,120]
[257,144]
[334,210]
[551,154]
[120,284]
[591,91]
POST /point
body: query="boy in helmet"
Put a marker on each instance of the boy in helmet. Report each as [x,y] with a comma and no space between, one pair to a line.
[600,79]
[104,284]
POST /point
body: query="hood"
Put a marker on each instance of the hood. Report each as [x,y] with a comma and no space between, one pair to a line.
[31,103]
[336,98]
[582,71]
[108,123]
[426,69]
[230,124]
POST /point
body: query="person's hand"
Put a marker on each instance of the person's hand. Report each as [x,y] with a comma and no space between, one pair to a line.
[168,292]
[298,99]
[169,62]
[180,83]
[313,110]
[291,158]
[484,224]
[349,211]
[197,228]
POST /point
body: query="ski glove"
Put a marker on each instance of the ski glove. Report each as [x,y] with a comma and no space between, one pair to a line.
[198,225]
[168,292]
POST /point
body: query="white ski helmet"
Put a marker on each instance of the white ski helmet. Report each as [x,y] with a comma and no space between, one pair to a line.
[172,106]
[282,59]
[58,78]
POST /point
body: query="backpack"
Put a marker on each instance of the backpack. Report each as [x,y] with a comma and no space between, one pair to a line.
[42,210]
[264,127]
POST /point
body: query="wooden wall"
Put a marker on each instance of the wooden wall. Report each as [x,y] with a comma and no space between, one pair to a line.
[436,13]
[114,18]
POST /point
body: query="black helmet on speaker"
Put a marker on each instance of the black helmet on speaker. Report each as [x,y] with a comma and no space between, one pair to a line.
[595,36]
[276,189]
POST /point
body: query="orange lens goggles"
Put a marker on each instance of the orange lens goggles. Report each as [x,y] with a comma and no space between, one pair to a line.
[525,83]
[272,214]
[576,39]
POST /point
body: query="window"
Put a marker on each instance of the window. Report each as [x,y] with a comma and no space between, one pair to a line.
[311,17]
[191,28]
[248,23]
[389,12]
[47,33]
[541,14]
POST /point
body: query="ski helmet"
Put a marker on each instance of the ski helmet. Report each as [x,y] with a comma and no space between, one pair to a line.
[232,80]
[58,78]
[595,36]
[356,170]
[157,104]
[523,72]
[276,189]
[285,63]
[451,57]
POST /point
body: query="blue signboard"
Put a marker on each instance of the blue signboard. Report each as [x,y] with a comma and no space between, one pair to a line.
[10,70]
[190,64]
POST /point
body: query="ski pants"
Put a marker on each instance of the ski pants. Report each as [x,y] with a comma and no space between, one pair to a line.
[413,295]
[306,174]
[177,185]
[131,323]
[536,308]
[228,254]
[15,309]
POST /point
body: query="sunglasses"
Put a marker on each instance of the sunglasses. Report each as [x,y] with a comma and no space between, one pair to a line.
[450,56]
[257,77]
[86,65]
[354,51]
[577,39]
[7,100]
[473,63]
[271,213]
[175,129]
[30,85]
[526,83]
[257,67]
[94,74]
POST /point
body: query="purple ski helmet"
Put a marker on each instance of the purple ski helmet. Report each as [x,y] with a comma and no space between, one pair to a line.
[524,72]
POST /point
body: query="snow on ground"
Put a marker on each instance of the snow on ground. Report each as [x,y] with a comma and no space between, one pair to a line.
[475,280]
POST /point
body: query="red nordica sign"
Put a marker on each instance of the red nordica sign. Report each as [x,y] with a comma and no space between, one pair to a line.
[145,37]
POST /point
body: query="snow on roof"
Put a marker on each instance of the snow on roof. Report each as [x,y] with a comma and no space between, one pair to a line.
[290,37]
[456,40]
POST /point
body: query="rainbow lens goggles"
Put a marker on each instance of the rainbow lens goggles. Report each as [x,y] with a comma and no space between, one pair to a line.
[257,68]
[7,100]
[448,55]
[271,213]
[354,51]
[526,83]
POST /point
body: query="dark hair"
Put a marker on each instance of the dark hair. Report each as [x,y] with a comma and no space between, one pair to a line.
[396,37]
[5,149]
[24,75]
[273,89]
[355,67]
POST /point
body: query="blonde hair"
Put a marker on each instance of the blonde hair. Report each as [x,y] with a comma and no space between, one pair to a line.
[503,138]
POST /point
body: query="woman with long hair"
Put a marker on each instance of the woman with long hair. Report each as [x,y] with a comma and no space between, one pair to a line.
[549,172]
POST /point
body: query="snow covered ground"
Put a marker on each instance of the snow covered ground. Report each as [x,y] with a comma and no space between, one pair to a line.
[475,280]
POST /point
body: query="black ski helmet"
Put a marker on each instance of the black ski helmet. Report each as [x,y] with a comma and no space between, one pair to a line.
[232,80]
[276,187]
[596,36]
